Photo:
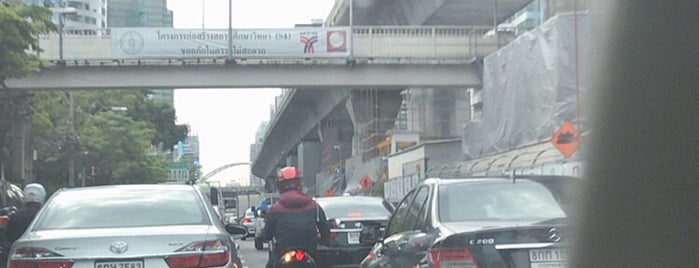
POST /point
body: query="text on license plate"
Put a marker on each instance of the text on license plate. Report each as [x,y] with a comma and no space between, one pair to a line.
[119,264]
[549,258]
[353,238]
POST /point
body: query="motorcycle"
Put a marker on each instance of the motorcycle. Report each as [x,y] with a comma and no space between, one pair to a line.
[292,257]
[295,257]
[5,214]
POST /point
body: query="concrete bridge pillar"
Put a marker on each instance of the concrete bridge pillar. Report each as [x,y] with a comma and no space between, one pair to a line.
[373,112]
[292,160]
[309,155]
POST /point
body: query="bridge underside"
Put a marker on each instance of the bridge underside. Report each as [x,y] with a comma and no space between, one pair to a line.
[297,118]
[251,76]
[421,12]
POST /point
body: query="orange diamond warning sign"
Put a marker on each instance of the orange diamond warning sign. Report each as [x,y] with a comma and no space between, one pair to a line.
[566,139]
[366,182]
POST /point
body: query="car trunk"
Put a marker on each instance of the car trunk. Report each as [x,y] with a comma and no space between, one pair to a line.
[522,246]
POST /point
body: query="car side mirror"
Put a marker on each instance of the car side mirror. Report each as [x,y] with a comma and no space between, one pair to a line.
[392,248]
[237,231]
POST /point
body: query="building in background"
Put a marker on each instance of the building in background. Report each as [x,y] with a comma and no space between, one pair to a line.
[89,18]
[185,164]
[139,13]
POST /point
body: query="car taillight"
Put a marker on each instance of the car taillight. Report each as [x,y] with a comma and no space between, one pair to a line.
[368,257]
[247,220]
[4,220]
[32,258]
[205,254]
[452,257]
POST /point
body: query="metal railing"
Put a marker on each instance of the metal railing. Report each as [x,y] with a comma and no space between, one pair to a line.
[374,43]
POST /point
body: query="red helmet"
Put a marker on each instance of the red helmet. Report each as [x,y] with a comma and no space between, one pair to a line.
[289,178]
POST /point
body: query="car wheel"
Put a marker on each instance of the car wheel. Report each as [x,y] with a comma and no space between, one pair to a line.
[259,245]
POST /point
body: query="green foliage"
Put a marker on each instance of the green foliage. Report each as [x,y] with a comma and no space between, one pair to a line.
[114,147]
[20,27]
[19,38]
[163,117]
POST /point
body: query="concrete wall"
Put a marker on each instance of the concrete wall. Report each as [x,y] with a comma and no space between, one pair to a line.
[443,153]
[438,113]
[396,161]
[356,169]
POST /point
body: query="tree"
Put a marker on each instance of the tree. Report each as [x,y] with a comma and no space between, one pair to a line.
[162,116]
[19,34]
[112,146]
[19,47]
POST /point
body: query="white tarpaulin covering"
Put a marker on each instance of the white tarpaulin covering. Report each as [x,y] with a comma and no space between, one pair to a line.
[135,43]
[529,88]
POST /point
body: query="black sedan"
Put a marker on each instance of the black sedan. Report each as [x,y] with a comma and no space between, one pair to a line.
[477,222]
[347,215]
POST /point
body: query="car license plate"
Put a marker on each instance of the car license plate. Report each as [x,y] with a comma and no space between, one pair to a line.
[547,258]
[353,238]
[120,264]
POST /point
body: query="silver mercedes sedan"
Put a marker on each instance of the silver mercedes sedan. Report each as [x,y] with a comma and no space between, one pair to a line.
[127,226]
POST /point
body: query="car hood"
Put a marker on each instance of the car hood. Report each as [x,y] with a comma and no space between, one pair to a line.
[140,241]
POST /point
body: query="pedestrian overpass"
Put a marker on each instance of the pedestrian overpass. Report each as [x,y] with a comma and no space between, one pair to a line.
[362,57]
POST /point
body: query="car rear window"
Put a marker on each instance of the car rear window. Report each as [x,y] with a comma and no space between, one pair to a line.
[502,200]
[366,209]
[120,208]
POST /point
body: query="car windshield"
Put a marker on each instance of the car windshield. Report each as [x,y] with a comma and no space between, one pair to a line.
[471,201]
[107,209]
[349,208]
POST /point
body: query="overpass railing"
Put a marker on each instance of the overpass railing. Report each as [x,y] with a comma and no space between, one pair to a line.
[369,43]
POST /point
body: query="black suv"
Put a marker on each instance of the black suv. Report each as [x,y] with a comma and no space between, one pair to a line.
[477,222]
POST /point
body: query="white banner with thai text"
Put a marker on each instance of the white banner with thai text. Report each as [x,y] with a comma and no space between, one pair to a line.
[142,43]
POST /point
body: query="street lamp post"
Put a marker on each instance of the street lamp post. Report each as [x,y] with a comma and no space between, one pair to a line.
[230,31]
[61,17]
[351,26]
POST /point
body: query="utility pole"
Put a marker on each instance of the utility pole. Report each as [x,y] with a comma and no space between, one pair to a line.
[71,139]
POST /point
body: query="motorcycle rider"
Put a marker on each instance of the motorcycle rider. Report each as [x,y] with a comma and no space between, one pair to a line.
[295,219]
[34,197]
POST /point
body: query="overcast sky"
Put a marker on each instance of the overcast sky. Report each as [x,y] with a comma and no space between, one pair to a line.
[226,119]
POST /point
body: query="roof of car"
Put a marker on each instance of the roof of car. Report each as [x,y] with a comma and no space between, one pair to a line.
[452,180]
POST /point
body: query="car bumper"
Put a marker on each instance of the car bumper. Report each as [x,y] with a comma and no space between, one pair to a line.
[349,256]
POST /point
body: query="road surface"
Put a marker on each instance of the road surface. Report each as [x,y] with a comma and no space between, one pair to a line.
[252,258]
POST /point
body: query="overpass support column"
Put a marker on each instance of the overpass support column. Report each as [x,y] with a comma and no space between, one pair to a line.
[373,112]
[292,160]
[309,154]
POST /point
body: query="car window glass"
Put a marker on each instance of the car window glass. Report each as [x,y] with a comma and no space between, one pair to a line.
[413,210]
[396,223]
[143,207]
[423,218]
[523,200]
